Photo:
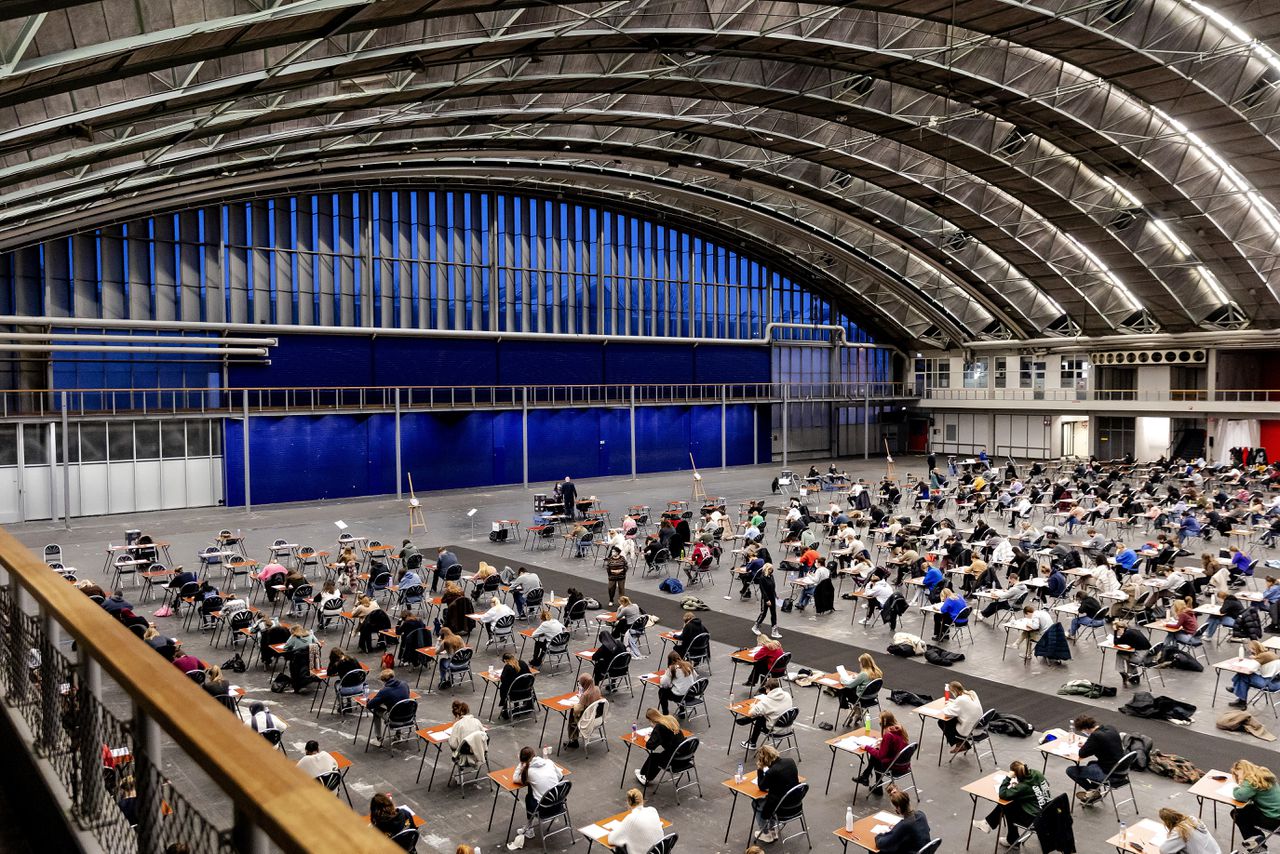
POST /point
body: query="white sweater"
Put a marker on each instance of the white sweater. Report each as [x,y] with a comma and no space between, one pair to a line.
[966,709]
[639,831]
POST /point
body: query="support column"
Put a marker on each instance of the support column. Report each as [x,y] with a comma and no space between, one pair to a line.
[524,433]
[244,401]
[755,434]
[247,837]
[92,796]
[724,457]
[146,762]
[66,467]
[633,432]
[785,436]
[399,466]
[866,421]
[49,700]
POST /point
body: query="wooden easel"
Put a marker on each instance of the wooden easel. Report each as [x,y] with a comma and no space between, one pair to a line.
[699,494]
[890,473]
[416,519]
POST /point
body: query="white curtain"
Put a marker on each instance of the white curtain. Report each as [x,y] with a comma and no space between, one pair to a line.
[1245,433]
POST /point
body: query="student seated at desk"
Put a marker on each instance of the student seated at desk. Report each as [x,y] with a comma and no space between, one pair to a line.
[380,704]
[317,762]
[881,755]
[640,830]
[810,581]
[627,613]
[1003,600]
[512,666]
[539,775]
[1027,792]
[768,651]
[691,630]
[261,719]
[910,834]
[964,710]
[387,817]
[676,682]
[775,776]
[1266,676]
[587,692]
[446,646]
[607,648]
[851,684]
[413,634]
[1230,608]
[665,736]
[1256,788]
[372,621]
[1186,834]
[949,613]
[445,561]
[496,611]
[548,628]
[1102,744]
[524,583]
[769,705]
[468,741]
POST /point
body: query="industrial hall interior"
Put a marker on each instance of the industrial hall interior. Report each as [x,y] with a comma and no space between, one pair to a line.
[471,426]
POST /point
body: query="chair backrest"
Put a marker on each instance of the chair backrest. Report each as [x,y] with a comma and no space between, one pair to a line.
[905,755]
[577,611]
[931,846]
[303,591]
[413,594]
[980,728]
[620,665]
[593,716]
[869,695]
[224,534]
[227,700]
[353,678]
[241,620]
[196,676]
[332,606]
[491,584]
[138,629]
[533,598]
[559,644]
[382,580]
[965,613]
[792,804]
[696,690]
[502,625]
[554,800]
[779,668]
[665,845]
[1123,765]
[53,552]
[307,552]
[453,573]
[189,589]
[461,660]
[279,542]
[682,756]
[783,722]
[521,688]
[211,603]
[330,780]
[407,839]
[403,713]
[699,648]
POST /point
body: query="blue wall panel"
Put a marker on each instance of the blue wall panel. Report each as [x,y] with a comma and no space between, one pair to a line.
[550,362]
[727,364]
[564,442]
[615,442]
[311,360]
[633,364]
[453,450]
[704,435]
[445,361]
[662,438]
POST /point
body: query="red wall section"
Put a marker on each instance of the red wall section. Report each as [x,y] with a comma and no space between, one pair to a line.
[1270,432]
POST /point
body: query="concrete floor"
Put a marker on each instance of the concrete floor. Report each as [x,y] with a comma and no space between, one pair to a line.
[453,817]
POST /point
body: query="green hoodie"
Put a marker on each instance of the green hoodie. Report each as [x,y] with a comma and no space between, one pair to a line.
[1266,800]
[1028,795]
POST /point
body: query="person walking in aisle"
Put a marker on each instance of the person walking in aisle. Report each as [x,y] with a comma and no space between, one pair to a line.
[768,601]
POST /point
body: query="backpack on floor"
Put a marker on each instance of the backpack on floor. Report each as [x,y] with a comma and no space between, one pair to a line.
[1014,725]
[1140,744]
[788,605]
[906,698]
[280,683]
[235,664]
[671,585]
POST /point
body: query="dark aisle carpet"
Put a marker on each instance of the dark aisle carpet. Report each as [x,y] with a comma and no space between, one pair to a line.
[809,649]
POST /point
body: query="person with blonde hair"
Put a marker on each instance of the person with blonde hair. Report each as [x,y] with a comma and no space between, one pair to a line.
[665,735]
[962,714]
[766,654]
[851,684]
[1256,789]
[1186,834]
[639,830]
[768,601]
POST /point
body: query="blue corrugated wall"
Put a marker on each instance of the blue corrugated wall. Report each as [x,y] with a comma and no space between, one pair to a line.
[312,457]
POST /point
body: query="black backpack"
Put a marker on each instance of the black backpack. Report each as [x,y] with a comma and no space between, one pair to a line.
[942,657]
[1014,725]
[235,664]
[280,683]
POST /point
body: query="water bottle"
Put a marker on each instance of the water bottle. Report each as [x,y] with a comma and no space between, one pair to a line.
[866,722]
[1124,834]
[634,730]
[946,692]
[848,819]
[1071,728]
[737,775]
[546,751]
[1242,656]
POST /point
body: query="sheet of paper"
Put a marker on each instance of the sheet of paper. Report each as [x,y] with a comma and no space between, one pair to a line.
[442,735]
[879,829]
[754,650]
[611,826]
[568,701]
[644,732]
[595,831]
[888,817]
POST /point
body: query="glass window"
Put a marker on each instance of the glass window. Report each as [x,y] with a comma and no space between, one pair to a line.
[93,443]
[148,438]
[975,373]
[197,438]
[1001,371]
[8,444]
[173,445]
[1072,371]
[35,444]
[120,440]
[73,444]
[215,438]
[1024,372]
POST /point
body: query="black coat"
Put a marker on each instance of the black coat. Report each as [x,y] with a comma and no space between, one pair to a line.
[776,780]
[1053,644]
[691,630]
[824,596]
[1054,828]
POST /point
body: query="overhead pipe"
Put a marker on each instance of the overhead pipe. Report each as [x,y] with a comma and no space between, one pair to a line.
[391,332]
[149,348]
[130,339]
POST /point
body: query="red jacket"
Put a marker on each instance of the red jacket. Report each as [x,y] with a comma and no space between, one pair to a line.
[768,654]
[891,744]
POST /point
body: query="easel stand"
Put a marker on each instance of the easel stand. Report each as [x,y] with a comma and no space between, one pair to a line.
[699,494]
[890,473]
[416,518]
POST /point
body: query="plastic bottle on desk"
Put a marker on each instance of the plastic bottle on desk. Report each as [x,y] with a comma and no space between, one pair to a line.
[946,692]
[737,775]
[866,722]
[848,819]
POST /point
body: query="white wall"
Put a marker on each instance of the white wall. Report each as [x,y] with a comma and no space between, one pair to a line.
[1019,436]
[1151,437]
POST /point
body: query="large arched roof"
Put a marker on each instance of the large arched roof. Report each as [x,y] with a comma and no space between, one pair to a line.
[973,169]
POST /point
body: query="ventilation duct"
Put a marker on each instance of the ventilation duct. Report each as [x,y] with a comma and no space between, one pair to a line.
[1149,357]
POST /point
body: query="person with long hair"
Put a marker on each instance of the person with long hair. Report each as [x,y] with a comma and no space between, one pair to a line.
[1266,677]
[387,817]
[446,647]
[588,692]
[676,681]
[1256,789]
[768,601]
[1027,792]
[1186,834]
[540,775]
[775,776]
[962,714]
[883,755]
[851,684]
[910,834]
[665,735]
[766,654]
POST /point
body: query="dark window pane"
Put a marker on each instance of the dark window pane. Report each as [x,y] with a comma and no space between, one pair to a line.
[198,438]
[93,443]
[148,437]
[173,445]
[73,444]
[35,444]
[120,440]
[8,444]
[215,438]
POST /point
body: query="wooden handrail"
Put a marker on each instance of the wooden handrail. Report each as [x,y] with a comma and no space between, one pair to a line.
[296,813]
